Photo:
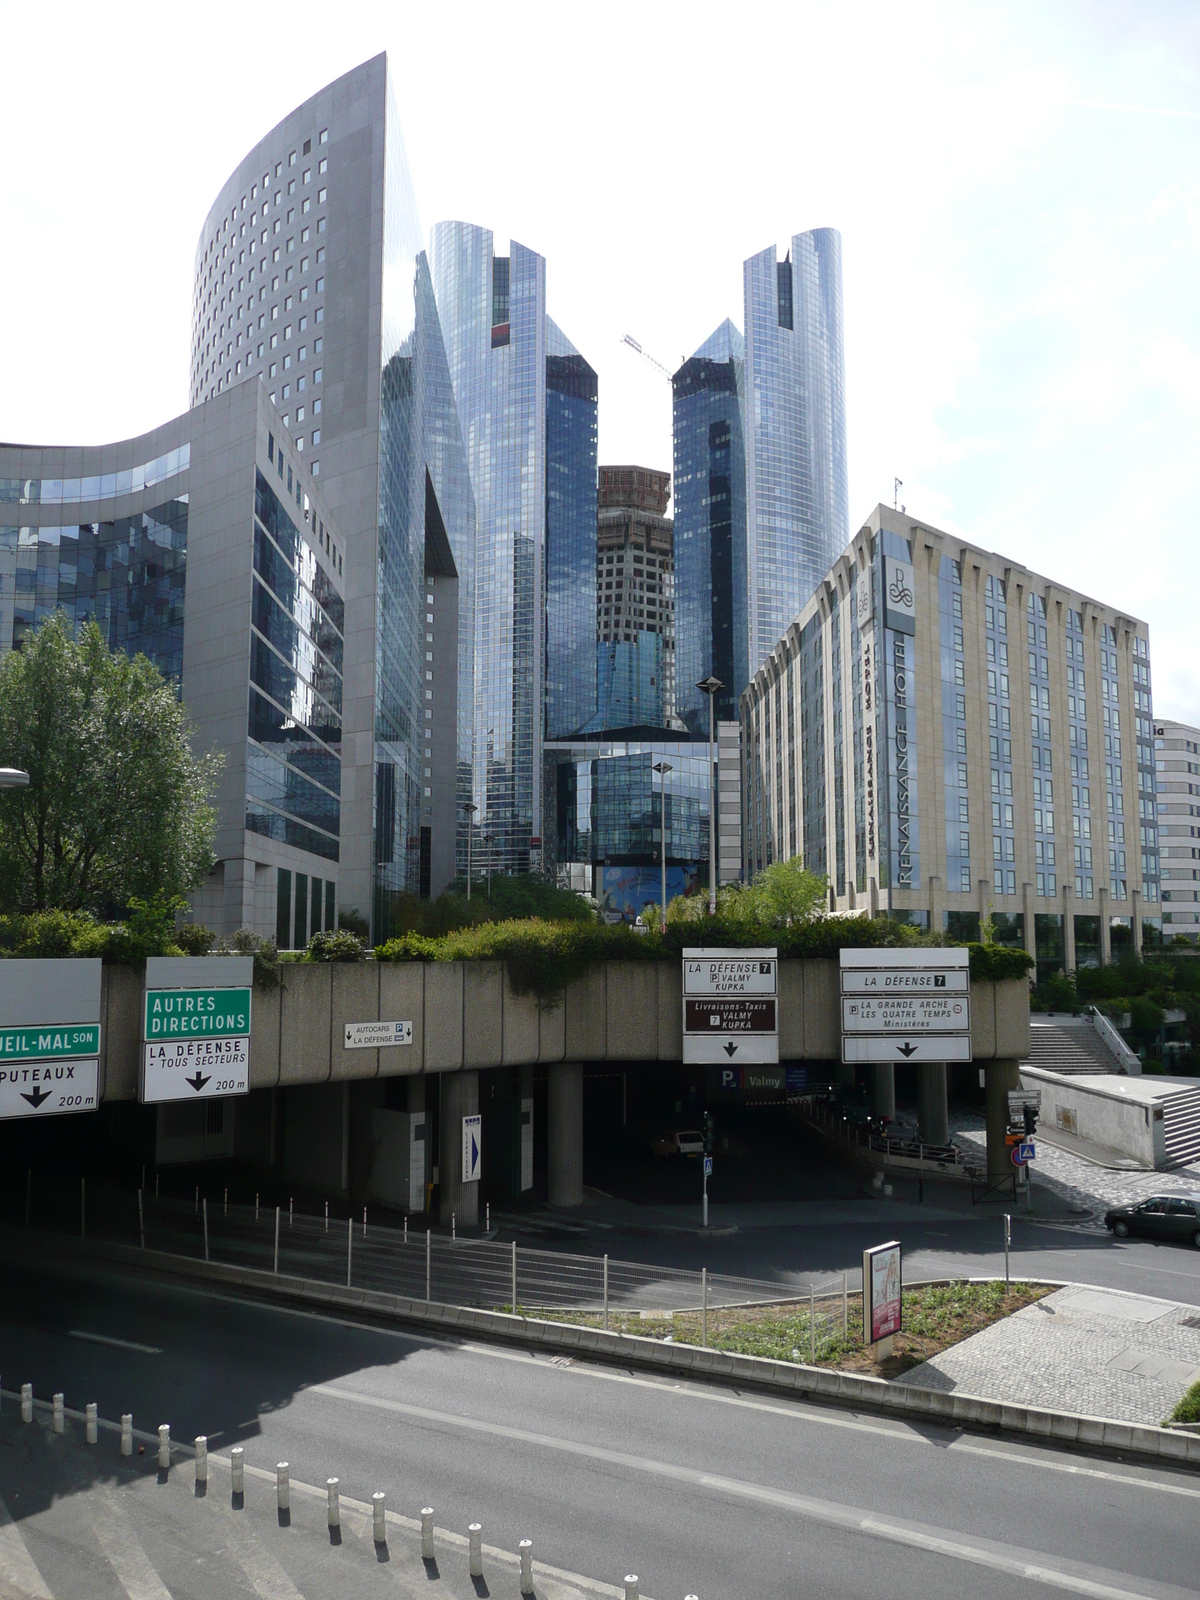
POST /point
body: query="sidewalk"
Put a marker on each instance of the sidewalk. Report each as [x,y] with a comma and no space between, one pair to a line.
[1092,1351]
[1079,1185]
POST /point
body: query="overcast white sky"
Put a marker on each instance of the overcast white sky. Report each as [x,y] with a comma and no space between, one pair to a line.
[1017,186]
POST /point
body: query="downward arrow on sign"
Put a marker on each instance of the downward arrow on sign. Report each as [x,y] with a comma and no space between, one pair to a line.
[197,1082]
[907,1049]
[37,1097]
[730,1050]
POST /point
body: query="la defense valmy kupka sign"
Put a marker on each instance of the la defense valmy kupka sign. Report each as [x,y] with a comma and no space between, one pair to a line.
[730,1007]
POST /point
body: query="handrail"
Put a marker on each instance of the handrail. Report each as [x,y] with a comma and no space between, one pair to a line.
[1128,1060]
[881,1144]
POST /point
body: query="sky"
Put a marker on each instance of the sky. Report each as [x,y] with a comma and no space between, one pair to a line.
[1017,187]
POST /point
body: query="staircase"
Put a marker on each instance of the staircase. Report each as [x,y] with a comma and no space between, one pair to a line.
[1181,1126]
[1068,1045]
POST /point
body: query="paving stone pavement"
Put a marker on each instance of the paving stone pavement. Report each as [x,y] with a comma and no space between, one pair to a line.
[1093,1351]
[1081,1183]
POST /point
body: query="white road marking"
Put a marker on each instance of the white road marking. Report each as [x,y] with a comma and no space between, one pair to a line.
[1099,1583]
[118,1344]
[124,1554]
[263,1573]
[19,1575]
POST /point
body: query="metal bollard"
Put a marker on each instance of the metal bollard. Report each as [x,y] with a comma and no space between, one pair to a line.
[335,1510]
[201,1458]
[379,1517]
[691,1597]
[237,1469]
[164,1446]
[631,1586]
[92,1425]
[454,1224]
[282,1486]
[427,1533]
[60,1420]
[26,1402]
[475,1546]
[526,1549]
[127,1433]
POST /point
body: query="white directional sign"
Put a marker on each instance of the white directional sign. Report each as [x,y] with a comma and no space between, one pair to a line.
[905,1013]
[730,1008]
[926,1047]
[906,1005]
[196,1027]
[377,1035]
[49,1036]
[472,1148]
[44,1087]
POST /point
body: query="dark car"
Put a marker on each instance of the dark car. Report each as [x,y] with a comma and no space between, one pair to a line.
[1163,1216]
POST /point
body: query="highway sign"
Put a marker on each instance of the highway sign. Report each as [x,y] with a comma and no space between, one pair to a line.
[729,972]
[196,1069]
[472,1148]
[1018,1099]
[905,1005]
[196,1027]
[914,1047]
[41,1088]
[729,1016]
[377,1035]
[49,1035]
[730,1012]
[905,1013]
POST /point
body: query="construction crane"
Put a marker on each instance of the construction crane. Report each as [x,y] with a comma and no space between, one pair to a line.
[645,355]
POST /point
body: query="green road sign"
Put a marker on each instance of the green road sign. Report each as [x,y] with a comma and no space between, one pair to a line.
[50,1043]
[196,1013]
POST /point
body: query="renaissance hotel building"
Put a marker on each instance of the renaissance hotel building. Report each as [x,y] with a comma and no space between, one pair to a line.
[951,738]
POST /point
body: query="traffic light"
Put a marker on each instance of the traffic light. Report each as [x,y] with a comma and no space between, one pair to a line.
[1031,1116]
[709,1130]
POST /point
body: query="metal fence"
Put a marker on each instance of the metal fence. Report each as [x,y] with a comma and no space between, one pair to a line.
[693,1307]
[827,1114]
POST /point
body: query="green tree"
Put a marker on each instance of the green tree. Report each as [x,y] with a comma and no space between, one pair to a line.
[118,806]
[781,896]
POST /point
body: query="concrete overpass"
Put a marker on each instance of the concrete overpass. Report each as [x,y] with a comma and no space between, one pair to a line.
[467,1019]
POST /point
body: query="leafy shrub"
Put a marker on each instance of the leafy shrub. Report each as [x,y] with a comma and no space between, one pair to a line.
[266,956]
[353,921]
[340,946]
[1188,1408]
[194,939]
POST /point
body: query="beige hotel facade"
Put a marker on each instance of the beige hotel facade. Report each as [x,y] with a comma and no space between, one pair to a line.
[949,737]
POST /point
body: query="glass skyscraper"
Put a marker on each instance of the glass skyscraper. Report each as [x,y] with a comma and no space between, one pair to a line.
[310,276]
[710,526]
[797,516]
[526,401]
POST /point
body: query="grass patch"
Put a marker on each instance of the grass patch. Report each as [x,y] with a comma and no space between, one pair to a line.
[934,1319]
[1188,1409]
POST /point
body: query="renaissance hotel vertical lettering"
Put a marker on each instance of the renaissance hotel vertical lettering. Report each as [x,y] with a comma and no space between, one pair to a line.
[900,623]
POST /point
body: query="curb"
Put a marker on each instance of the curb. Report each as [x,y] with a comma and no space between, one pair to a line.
[625,1349]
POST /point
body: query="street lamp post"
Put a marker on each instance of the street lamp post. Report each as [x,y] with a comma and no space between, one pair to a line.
[470,808]
[487,839]
[711,687]
[662,768]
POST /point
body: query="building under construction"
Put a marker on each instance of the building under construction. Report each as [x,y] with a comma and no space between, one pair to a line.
[635,600]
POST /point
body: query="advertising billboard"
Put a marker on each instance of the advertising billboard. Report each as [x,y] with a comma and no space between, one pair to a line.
[883,1284]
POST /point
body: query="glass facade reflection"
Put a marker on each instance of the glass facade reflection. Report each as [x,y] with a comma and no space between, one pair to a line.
[797,515]
[498,343]
[710,527]
[127,575]
[571,427]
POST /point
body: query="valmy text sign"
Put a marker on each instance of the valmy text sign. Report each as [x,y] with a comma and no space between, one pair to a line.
[730,1010]
[729,972]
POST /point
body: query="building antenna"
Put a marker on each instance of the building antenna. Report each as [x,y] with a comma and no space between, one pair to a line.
[897,485]
[645,355]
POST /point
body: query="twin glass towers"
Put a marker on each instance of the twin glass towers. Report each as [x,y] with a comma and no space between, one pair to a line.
[437,402]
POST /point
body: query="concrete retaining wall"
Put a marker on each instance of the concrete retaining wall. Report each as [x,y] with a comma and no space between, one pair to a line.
[465,1015]
[1124,1115]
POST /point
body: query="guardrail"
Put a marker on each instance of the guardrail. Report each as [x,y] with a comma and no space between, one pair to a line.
[907,1154]
[551,1285]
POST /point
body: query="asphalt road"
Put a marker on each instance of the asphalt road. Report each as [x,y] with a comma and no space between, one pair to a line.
[698,1490]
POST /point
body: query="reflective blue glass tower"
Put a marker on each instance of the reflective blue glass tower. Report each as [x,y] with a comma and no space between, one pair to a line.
[797,517]
[531,456]
[710,526]
[571,425]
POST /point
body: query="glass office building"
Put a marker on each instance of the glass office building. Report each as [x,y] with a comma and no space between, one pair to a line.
[571,427]
[710,526]
[531,454]
[310,276]
[797,516]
